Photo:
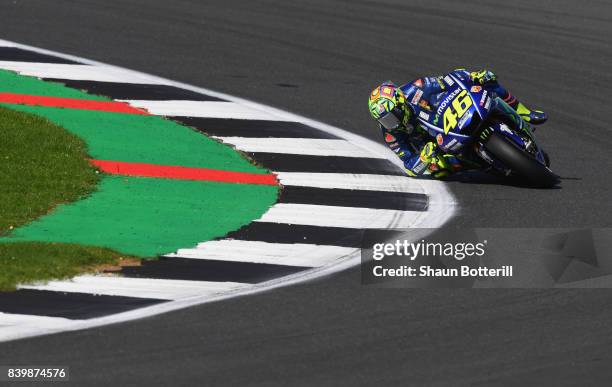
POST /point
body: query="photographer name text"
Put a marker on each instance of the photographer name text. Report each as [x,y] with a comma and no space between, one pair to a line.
[429,271]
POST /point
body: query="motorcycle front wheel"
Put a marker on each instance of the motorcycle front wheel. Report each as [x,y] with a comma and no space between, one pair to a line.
[520,162]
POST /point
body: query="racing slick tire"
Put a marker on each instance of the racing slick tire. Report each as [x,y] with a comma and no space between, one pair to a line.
[521,163]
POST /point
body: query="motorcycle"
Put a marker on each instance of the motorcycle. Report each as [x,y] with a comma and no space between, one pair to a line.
[480,129]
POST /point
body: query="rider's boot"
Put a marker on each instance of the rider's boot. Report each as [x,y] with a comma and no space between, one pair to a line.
[535,117]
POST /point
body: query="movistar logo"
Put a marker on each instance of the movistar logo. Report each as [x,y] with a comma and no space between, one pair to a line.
[447,100]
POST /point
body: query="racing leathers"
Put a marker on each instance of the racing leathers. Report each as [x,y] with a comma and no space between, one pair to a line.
[415,147]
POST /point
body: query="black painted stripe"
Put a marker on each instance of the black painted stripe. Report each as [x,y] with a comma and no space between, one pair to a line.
[68,305]
[296,233]
[116,90]
[16,54]
[209,270]
[281,162]
[403,201]
[253,128]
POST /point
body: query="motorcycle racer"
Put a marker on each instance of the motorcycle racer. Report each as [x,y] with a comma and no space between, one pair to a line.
[395,110]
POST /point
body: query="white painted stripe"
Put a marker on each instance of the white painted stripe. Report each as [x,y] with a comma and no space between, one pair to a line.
[207,109]
[6,43]
[10,319]
[262,252]
[333,216]
[77,72]
[14,326]
[136,287]
[298,146]
[364,182]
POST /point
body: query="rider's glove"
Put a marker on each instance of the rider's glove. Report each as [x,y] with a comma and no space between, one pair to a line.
[482,77]
[439,165]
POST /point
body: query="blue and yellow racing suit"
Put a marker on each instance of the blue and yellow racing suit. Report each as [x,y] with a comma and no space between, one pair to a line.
[416,148]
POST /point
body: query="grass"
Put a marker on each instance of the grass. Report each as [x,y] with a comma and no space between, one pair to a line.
[41,166]
[25,262]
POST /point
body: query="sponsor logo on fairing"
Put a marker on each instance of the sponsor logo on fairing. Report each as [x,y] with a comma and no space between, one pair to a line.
[463,120]
[483,98]
[476,89]
[439,139]
[453,144]
[424,115]
[417,97]
[447,100]
[410,90]
[419,168]
[418,83]
[487,104]
[449,81]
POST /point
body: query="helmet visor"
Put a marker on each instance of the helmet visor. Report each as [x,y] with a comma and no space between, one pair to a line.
[392,120]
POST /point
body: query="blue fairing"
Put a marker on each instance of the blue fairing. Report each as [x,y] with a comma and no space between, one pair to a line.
[466,105]
[498,128]
[454,140]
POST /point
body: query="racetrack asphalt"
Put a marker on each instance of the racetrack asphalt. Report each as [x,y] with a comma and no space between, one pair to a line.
[321,59]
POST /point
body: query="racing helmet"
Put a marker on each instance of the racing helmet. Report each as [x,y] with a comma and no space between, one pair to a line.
[387,105]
